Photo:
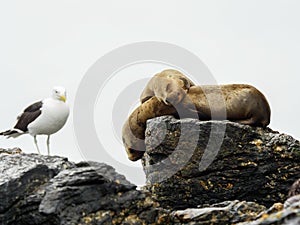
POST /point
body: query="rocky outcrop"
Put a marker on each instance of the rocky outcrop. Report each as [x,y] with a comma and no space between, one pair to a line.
[234,183]
[51,190]
[22,184]
[250,164]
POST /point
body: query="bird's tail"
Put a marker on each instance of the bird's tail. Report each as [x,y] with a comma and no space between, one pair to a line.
[12,133]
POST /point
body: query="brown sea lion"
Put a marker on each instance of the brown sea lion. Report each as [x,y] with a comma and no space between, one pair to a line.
[235,102]
[169,86]
[133,132]
[240,103]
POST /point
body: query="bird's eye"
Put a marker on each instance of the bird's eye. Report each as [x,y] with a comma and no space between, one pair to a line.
[56,91]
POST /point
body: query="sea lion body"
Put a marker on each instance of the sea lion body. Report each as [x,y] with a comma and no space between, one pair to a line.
[133,132]
[169,86]
[172,93]
[240,103]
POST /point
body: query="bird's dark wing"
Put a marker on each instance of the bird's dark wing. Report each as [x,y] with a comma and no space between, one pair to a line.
[29,114]
[34,107]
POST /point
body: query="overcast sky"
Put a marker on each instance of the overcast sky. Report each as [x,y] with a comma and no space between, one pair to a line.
[47,43]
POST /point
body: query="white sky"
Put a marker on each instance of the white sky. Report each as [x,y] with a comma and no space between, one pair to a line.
[47,43]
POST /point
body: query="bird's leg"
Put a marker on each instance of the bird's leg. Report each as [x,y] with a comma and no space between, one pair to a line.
[48,144]
[36,144]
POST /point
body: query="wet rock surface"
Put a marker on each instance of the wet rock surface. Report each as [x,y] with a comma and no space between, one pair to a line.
[253,169]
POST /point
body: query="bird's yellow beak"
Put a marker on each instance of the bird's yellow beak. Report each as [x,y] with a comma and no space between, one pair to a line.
[63,98]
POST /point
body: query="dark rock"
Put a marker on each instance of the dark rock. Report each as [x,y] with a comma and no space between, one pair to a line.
[287,216]
[51,190]
[222,213]
[245,163]
[81,191]
[253,165]
[22,179]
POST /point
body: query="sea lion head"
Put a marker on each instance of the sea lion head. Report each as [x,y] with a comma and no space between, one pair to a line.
[173,93]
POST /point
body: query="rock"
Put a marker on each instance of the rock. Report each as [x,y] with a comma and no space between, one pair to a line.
[84,190]
[38,189]
[253,169]
[287,216]
[291,201]
[295,189]
[21,176]
[223,213]
[10,151]
[249,164]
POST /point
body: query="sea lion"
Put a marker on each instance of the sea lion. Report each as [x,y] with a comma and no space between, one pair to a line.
[240,103]
[169,86]
[133,131]
[170,91]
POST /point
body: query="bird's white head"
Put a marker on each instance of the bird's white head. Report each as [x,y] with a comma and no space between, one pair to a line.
[59,93]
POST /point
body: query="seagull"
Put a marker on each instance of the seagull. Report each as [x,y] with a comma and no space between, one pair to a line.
[44,117]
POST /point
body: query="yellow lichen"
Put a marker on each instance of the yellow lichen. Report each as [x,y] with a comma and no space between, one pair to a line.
[210,183]
[278,206]
[87,219]
[204,185]
[229,186]
[278,148]
[226,186]
[248,163]
[257,142]
[132,219]
[285,176]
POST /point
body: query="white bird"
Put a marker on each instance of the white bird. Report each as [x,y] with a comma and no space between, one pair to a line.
[44,117]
